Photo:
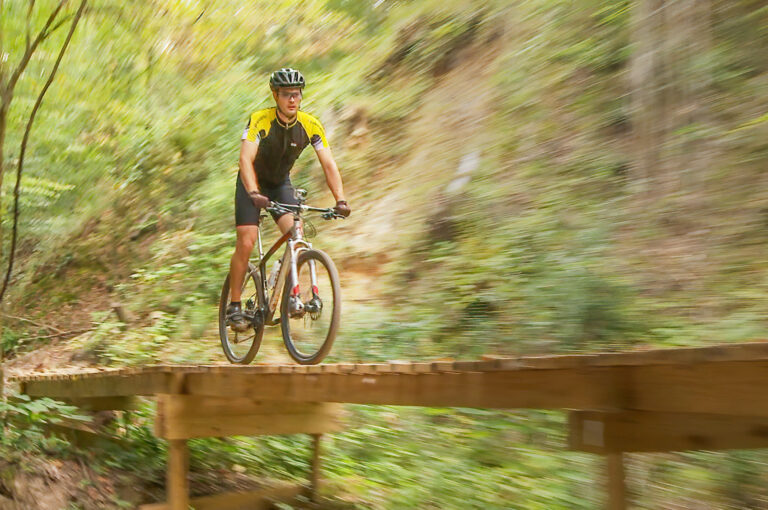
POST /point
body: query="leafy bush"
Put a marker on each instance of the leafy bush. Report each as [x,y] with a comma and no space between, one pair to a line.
[26,420]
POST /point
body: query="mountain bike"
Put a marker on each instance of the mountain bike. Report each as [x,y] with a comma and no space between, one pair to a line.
[308,283]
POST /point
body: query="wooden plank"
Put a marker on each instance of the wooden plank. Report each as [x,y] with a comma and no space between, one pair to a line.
[638,431]
[547,362]
[186,417]
[365,368]
[345,368]
[263,499]
[421,368]
[542,389]
[617,493]
[101,385]
[401,367]
[443,366]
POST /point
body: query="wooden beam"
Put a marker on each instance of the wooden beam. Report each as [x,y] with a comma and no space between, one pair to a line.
[263,499]
[187,416]
[730,387]
[94,386]
[543,389]
[638,431]
[617,494]
[177,484]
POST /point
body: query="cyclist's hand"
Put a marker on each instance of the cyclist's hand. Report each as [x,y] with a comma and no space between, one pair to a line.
[342,208]
[259,200]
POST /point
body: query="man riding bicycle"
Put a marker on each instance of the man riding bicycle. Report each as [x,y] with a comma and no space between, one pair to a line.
[272,140]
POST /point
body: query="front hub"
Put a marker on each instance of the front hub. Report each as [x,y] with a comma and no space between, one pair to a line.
[296,307]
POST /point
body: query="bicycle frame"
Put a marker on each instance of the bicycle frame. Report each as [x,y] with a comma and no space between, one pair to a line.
[295,245]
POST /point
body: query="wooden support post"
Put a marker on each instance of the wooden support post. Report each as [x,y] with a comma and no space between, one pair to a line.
[617,497]
[178,467]
[177,483]
[314,477]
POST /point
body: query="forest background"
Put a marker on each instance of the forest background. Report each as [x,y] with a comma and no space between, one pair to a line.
[525,177]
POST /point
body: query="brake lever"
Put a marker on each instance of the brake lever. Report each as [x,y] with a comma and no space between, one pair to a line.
[331,215]
[274,207]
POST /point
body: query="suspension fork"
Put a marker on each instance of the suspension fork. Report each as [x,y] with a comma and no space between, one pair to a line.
[294,270]
[295,245]
[295,290]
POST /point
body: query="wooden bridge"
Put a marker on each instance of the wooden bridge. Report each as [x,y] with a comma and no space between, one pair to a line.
[710,398]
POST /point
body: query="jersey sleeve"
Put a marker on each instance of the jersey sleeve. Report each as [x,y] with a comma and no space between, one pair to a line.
[257,127]
[315,132]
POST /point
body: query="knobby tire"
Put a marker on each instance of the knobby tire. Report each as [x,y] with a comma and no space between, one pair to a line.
[224,330]
[302,264]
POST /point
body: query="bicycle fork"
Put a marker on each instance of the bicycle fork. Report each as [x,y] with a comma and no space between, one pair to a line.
[297,307]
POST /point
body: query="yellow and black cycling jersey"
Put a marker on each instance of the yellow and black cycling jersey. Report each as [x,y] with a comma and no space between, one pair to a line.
[280,144]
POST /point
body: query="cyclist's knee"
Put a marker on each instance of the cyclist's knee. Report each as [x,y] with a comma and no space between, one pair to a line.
[246,239]
[245,245]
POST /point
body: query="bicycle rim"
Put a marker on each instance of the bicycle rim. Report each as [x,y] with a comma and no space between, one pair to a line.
[240,347]
[309,336]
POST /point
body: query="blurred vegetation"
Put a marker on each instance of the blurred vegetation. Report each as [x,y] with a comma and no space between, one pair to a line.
[526,177]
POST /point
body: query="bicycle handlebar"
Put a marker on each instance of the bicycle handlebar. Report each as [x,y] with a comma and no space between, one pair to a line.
[326,213]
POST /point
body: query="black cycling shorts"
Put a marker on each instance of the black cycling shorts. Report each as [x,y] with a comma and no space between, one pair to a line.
[248,214]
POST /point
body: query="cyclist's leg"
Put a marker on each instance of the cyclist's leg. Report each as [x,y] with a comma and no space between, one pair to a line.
[246,240]
[247,225]
[284,194]
[285,222]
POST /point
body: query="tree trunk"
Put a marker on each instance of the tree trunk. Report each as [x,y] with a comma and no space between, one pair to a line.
[645,72]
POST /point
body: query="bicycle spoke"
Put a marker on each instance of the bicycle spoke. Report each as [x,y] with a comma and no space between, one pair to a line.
[241,346]
[241,337]
[311,326]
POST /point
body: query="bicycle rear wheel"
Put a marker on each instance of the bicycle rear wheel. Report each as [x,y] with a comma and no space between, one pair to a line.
[310,319]
[241,346]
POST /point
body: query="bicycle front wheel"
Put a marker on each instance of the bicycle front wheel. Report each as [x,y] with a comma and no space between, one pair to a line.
[241,345]
[311,308]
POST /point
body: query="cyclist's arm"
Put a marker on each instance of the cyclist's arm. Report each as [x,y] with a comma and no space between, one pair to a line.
[332,175]
[248,151]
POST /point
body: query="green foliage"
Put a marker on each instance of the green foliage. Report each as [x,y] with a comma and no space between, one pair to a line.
[147,455]
[26,420]
[545,245]
[10,340]
[112,344]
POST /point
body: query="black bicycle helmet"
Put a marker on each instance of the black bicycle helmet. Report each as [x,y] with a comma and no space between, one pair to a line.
[286,77]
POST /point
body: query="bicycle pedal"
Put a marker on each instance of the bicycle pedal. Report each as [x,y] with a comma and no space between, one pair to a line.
[238,325]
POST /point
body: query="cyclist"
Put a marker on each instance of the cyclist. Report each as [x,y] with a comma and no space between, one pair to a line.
[272,140]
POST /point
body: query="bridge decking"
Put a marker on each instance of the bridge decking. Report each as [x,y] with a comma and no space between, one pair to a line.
[653,400]
[725,379]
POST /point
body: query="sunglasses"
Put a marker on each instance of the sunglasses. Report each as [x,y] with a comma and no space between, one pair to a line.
[289,95]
